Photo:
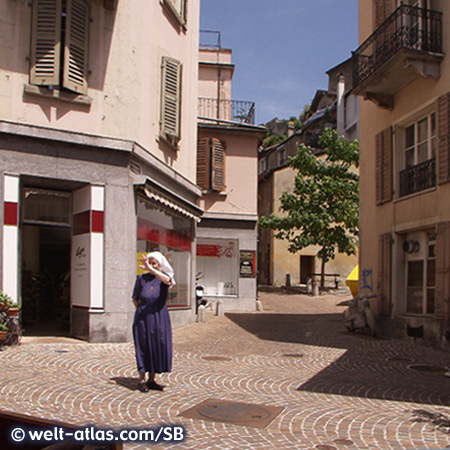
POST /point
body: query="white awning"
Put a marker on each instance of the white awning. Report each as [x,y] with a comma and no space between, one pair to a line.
[169,203]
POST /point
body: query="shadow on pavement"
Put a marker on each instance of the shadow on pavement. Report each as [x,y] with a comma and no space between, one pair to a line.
[370,367]
[130,383]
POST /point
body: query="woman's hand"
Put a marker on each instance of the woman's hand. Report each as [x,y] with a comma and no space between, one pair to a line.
[145,265]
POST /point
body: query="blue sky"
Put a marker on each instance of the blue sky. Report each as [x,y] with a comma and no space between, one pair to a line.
[282,48]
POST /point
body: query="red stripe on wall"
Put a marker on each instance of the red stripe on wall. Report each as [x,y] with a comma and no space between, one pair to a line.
[10,210]
[81,223]
[88,222]
[97,222]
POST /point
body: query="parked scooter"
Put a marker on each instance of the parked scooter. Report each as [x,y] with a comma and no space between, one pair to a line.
[359,317]
[200,291]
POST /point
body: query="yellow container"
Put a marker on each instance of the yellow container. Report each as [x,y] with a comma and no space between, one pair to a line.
[352,281]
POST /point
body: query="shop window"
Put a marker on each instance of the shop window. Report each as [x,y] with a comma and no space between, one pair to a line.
[42,206]
[218,263]
[421,273]
[211,164]
[170,233]
[59,44]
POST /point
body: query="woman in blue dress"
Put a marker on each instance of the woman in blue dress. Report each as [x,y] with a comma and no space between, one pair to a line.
[152,330]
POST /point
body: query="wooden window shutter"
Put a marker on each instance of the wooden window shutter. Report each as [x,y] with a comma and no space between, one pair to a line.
[171,97]
[45,42]
[383,169]
[443,130]
[384,273]
[217,165]
[203,163]
[442,271]
[76,46]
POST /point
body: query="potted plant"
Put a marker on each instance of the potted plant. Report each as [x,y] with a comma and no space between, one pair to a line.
[12,309]
[4,301]
[3,331]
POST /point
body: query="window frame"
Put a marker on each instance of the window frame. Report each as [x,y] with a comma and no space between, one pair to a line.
[179,14]
[428,258]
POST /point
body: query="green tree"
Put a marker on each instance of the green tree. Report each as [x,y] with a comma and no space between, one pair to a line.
[323,207]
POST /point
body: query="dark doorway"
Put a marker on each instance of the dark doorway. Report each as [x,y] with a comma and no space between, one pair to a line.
[306,268]
[45,242]
[46,280]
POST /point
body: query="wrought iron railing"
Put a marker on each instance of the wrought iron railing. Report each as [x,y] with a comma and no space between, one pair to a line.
[417,178]
[407,28]
[231,110]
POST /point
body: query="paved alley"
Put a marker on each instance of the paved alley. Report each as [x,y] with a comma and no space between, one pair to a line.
[336,390]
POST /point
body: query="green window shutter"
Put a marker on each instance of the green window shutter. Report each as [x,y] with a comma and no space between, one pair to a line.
[171,98]
[217,165]
[443,130]
[384,273]
[76,46]
[45,42]
[203,163]
[383,166]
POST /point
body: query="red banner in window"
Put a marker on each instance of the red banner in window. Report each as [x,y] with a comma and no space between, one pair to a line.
[163,236]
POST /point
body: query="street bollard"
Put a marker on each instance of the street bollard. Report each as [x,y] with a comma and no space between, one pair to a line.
[201,314]
[219,308]
[259,306]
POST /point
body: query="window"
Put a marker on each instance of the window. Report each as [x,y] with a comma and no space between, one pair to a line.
[163,230]
[177,8]
[170,100]
[421,273]
[59,44]
[211,164]
[218,262]
[282,156]
[417,145]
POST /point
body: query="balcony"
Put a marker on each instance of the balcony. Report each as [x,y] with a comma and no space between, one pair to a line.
[406,46]
[418,178]
[226,110]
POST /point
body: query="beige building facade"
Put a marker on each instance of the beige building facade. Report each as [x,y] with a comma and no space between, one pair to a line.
[227,173]
[402,73]
[98,143]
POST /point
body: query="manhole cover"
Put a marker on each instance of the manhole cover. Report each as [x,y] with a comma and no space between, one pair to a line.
[293,355]
[246,414]
[216,358]
[325,447]
[428,369]
[343,442]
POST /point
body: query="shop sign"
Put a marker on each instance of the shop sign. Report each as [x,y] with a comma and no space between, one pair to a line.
[247,264]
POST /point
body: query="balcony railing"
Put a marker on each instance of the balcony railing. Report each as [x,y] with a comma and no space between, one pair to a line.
[229,110]
[407,28]
[418,178]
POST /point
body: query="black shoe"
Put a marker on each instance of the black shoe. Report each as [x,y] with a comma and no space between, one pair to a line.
[154,386]
[142,386]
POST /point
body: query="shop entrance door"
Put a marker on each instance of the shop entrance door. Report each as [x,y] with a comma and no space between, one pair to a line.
[45,243]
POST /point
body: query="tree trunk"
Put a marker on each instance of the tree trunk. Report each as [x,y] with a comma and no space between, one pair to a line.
[322,276]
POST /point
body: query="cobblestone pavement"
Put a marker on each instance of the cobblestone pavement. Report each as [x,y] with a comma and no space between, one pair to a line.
[337,390]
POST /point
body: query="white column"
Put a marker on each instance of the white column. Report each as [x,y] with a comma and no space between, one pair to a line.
[10,247]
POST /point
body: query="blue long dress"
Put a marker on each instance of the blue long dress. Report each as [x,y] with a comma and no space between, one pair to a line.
[152,330]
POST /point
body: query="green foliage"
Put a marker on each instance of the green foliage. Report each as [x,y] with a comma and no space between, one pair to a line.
[272,139]
[3,327]
[4,298]
[323,207]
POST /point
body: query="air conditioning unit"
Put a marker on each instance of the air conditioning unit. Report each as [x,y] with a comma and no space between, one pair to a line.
[415,245]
